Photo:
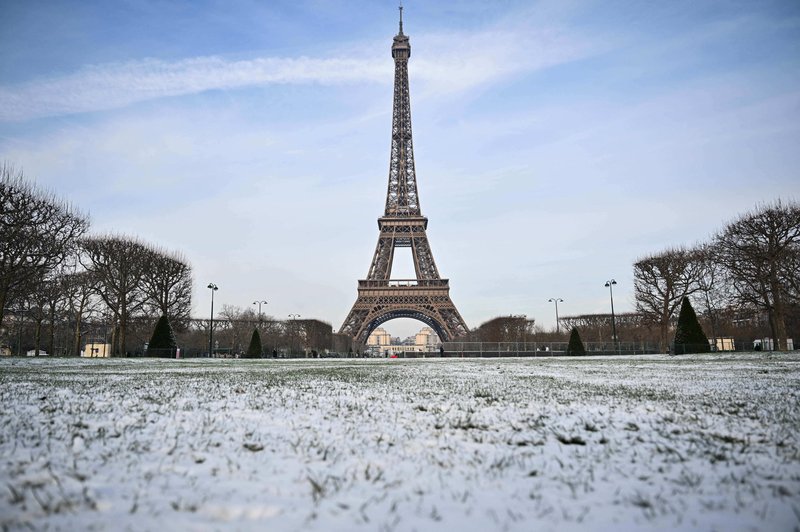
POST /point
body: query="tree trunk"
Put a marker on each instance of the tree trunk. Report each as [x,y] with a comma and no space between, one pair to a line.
[663,339]
[778,312]
[76,339]
[712,318]
[51,332]
[2,306]
[37,335]
[123,323]
[113,342]
[664,329]
[122,330]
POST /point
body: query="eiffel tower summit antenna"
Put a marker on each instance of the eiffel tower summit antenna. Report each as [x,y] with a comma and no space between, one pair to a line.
[427,297]
[401,18]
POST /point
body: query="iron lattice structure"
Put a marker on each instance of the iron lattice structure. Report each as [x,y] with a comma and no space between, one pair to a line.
[380,298]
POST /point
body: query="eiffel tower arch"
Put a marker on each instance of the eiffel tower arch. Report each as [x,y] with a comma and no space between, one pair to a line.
[427,297]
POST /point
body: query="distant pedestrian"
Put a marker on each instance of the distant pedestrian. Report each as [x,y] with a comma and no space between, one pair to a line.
[274,353]
[441,350]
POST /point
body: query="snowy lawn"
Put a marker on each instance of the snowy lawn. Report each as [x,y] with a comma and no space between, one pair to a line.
[630,443]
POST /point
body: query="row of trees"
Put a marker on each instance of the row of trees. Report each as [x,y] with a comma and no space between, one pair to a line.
[234,327]
[57,281]
[504,329]
[746,274]
[38,232]
[132,278]
[52,272]
[750,267]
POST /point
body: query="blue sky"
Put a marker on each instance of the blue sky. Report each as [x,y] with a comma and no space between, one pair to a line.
[556,142]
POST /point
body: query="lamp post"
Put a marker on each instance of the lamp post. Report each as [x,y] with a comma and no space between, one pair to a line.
[610,285]
[556,300]
[293,317]
[259,303]
[213,289]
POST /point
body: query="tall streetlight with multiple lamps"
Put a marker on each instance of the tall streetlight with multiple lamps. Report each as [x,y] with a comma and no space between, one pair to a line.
[259,303]
[556,300]
[610,285]
[213,289]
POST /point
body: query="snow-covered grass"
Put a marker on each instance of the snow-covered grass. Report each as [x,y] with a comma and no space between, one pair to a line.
[646,442]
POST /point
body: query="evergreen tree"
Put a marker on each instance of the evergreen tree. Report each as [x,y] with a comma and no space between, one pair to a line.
[575,346]
[162,343]
[254,349]
[689,335]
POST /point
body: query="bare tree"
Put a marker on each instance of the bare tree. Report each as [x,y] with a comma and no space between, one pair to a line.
[167,282]
[597,327]
[37,231]
[272,331]
[81,302]
[661,281]
[55,306]
[760,251]
[117,266]
[791,274]
[38,297]
[713,285]
[315,334]
[238,326]
[506,329]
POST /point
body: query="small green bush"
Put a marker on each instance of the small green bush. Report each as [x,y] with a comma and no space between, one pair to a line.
[254,349]
[689,335]
[575,346]
[162,343]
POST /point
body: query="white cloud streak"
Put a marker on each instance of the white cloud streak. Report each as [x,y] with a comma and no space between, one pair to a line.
[104,87]
[456,61]
[452,62]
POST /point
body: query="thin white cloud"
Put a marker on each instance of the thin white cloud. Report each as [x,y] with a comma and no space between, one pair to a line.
[455,61]
[104,87]
[452,62]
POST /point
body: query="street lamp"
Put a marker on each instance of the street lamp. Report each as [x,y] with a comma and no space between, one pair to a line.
[213,289]
[556,300]
[610,285]
[293,317]
[259,303]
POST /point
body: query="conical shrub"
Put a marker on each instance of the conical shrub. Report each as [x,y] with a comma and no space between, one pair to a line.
[689,335]
[162,343]
[575,346]
[254,349]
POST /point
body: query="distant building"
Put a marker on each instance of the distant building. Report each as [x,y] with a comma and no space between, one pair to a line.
[379,337]
[97,350]
[767,344]
[381,342]
[723,344]
[426,339]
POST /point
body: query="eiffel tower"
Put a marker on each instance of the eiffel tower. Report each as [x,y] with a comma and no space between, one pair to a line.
[426,298]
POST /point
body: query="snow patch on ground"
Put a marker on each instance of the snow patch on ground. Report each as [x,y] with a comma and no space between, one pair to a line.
[623,443]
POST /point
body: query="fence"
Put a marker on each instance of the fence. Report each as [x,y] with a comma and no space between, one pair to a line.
[730,346]
[486,350]
[472,350]
[539,349]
